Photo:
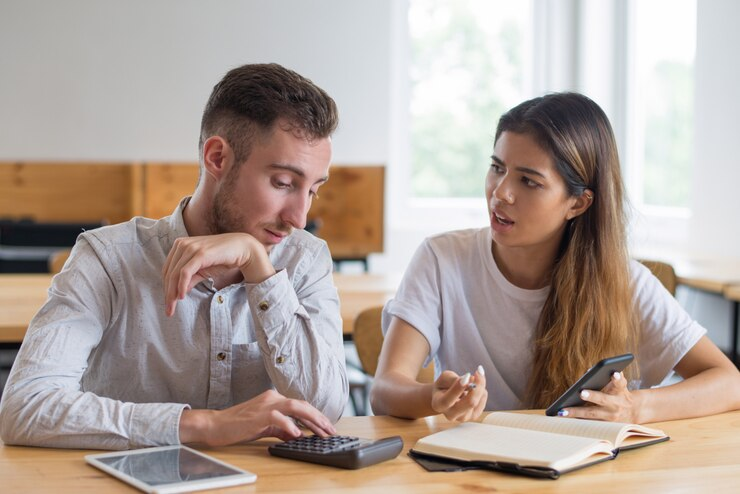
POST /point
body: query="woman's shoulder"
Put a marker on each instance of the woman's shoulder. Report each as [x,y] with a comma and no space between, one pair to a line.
[456,240]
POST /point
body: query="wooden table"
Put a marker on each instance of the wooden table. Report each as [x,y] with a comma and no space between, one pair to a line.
[702,456]
[21,296]
[709,275]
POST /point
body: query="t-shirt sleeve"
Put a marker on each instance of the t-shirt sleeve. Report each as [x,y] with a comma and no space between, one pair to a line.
[667,333]
[418,299]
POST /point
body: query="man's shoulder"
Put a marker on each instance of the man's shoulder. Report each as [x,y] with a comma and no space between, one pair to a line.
[137,230]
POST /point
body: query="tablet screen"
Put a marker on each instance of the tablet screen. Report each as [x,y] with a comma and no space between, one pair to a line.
[169,469]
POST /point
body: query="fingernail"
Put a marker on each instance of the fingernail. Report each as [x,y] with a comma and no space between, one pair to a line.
[562,413]
[585,394]
[464,380]
[471,386]
[617,376]
[481,370]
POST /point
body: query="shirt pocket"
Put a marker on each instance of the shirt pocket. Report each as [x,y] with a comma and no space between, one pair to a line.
[248,376]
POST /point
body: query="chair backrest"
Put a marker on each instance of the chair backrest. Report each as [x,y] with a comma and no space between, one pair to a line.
[57,260]
[368,337]
[664,272]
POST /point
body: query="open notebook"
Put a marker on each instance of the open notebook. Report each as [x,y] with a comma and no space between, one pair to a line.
[534,445]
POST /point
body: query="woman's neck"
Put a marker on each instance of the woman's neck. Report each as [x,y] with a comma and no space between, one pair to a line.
[524,267]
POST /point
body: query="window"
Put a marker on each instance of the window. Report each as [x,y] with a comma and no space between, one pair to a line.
[661,102]
[470,62]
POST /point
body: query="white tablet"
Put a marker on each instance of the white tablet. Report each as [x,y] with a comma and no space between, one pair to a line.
[168,469]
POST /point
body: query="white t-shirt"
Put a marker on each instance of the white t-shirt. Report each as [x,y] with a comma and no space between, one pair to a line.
[454,294]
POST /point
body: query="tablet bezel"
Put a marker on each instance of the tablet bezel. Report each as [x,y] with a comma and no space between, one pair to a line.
[239,477]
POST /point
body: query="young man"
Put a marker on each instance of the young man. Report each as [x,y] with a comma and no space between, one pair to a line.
[218,324]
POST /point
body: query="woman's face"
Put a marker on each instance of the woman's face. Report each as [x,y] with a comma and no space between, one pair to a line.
[528,204]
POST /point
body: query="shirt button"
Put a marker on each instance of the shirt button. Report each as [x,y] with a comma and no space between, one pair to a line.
[220,299]
[221,356]
[280,359]
[264,305]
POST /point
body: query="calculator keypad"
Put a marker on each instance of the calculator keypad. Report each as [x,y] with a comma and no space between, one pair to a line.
[320,445]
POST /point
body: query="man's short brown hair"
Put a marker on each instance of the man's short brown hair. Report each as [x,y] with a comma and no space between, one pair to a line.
[250,99]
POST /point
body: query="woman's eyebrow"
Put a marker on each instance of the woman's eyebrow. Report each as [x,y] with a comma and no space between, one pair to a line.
[523,169]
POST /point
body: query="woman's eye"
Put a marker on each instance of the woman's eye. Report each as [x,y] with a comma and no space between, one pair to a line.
[281,185]
[530,183]
[497,168]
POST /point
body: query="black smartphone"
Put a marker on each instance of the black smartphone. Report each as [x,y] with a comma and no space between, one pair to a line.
[595,378]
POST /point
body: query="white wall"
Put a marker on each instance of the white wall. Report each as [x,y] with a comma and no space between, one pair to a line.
[127,80]
[715,222]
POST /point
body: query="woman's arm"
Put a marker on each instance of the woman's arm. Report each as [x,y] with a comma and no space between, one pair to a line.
[397,392]
[711,385]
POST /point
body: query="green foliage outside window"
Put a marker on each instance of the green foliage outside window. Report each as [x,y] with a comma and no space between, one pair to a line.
[466,70]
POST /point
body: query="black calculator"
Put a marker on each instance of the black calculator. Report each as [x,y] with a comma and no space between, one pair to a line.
[339,451]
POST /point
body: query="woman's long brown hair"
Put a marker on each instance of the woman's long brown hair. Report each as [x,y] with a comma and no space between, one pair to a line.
[588,314]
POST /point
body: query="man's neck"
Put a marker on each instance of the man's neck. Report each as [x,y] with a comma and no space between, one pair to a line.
[195,217]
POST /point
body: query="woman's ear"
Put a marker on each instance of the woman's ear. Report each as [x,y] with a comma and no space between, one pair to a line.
[217,157]
[581,204]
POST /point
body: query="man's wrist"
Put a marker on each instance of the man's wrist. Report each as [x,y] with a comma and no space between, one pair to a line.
[259,267]
[194,425]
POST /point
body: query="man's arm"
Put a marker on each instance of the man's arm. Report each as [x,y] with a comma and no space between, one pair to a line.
[299,330]
[297,322]
[43,402]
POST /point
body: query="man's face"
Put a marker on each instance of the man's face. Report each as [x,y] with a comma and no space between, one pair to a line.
[271,192]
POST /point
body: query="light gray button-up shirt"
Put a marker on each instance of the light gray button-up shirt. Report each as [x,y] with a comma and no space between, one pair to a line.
[102,366]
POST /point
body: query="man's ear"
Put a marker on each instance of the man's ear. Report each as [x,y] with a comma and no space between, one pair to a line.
[581,204]
[218,157]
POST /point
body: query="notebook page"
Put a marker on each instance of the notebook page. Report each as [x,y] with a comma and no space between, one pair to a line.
[473,441]
[608,431]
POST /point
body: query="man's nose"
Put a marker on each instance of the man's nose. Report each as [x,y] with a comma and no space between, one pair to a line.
[296,211]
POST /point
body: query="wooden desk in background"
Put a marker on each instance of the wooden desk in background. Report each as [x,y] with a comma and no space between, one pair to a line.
[21,296]
[700,457]
[718,277]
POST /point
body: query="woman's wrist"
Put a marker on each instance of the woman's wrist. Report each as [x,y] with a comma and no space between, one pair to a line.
[641,406]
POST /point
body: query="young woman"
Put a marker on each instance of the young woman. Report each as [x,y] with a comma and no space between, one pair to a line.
[513,313]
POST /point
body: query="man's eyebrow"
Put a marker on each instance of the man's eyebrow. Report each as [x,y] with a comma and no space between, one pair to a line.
[297,171]
[523,169]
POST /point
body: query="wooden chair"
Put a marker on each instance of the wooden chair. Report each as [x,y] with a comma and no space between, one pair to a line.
[664,272]
[368,338]
[57,260]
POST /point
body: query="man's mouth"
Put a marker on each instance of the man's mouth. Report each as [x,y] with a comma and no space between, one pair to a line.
[276,236]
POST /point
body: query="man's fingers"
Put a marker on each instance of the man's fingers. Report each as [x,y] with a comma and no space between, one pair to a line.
[283,423]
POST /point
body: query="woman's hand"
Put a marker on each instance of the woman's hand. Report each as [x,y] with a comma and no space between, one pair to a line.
[460,398]
[614,403]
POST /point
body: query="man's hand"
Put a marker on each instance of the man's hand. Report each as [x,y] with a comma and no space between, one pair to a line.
[267,415]
[460,398]
[193,259]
